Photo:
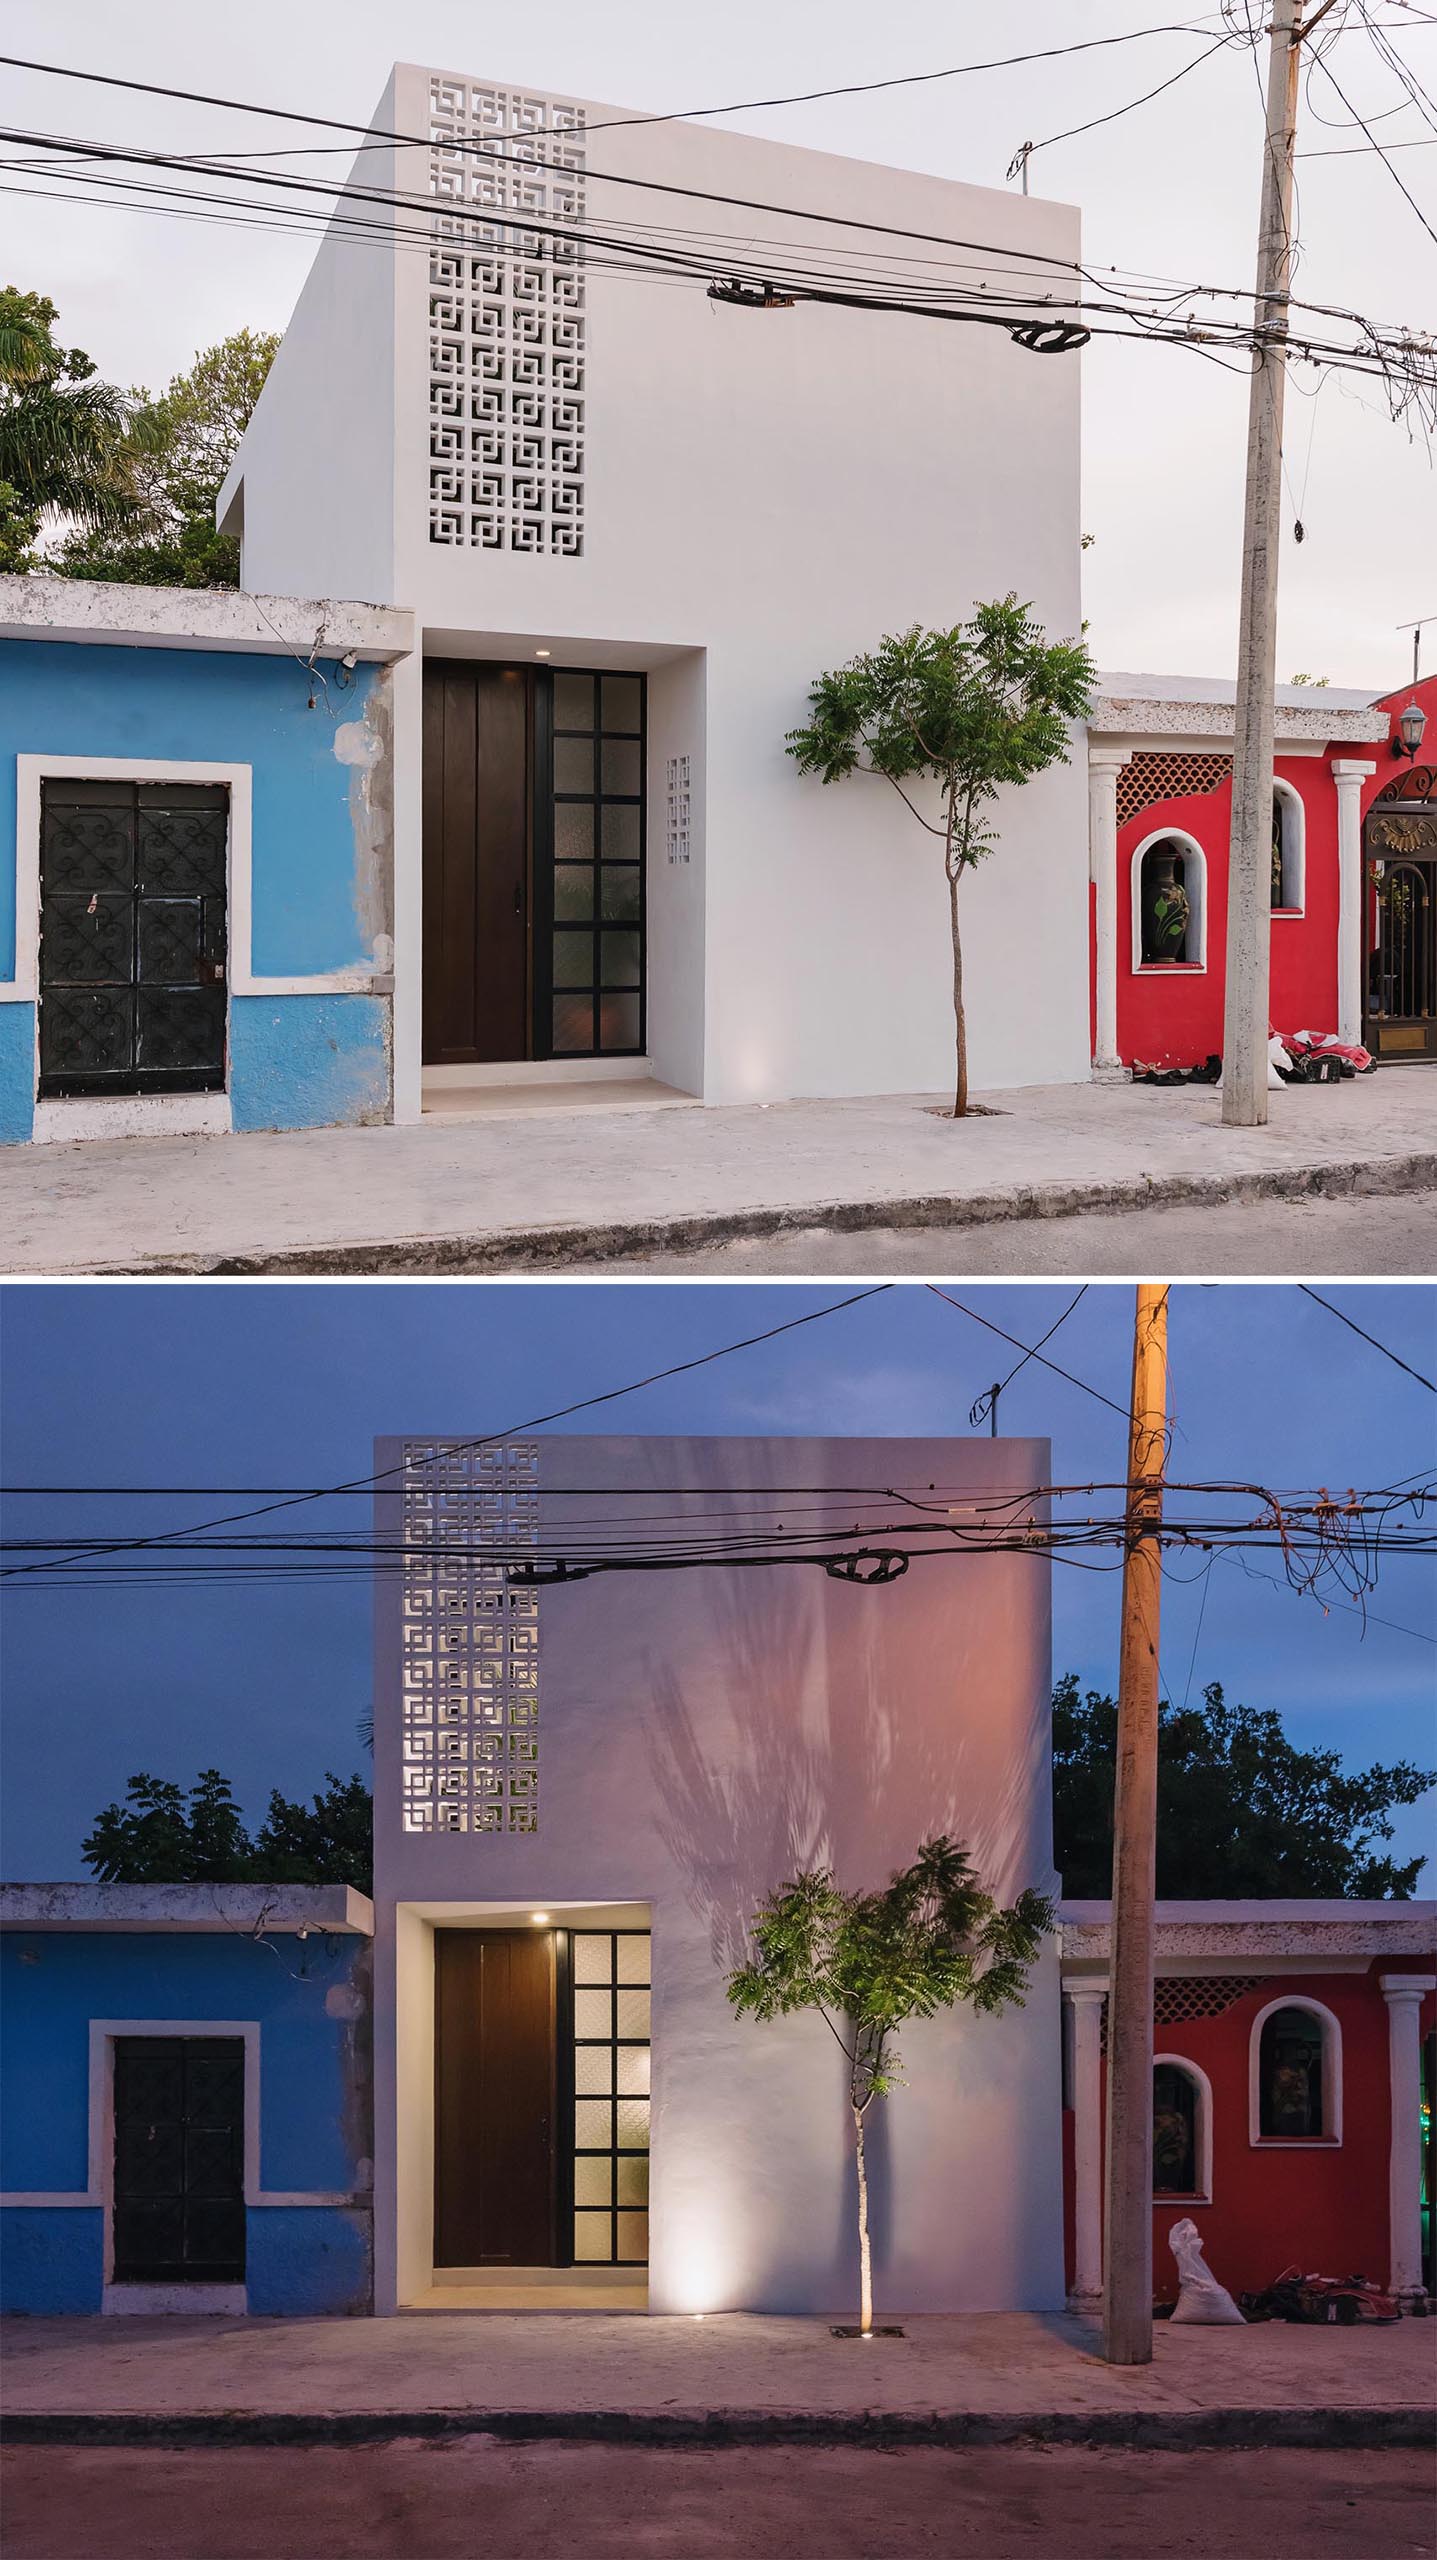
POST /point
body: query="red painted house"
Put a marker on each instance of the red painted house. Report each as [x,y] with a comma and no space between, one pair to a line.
[1354,868]
[1295,2056]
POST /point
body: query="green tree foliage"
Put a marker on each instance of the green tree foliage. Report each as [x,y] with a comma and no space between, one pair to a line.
[328,1841]
[66,447]
[971,709]
[186,440]
[1241,1811]
[868,1962]
[157,1837]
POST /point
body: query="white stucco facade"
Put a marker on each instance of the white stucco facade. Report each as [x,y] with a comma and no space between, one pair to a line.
[752,496]
[702,1736]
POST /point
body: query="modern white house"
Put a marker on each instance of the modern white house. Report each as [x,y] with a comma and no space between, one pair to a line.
[633,524]
[583,1790]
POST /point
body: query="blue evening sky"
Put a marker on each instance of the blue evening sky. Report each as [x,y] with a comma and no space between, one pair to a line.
[207,1383]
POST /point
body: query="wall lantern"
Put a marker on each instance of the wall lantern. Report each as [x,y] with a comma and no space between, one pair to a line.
[1411,727]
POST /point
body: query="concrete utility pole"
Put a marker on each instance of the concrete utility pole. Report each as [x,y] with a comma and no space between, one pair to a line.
[1249,872]
[1128,2290]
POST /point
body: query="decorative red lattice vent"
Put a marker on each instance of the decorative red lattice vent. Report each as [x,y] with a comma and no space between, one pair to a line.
[1178,1996]
[1167,777]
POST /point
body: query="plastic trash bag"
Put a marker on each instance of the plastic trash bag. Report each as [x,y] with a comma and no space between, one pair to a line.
[1200,2297]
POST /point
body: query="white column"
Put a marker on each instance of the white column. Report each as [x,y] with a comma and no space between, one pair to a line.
[1403,1995]
[1085,2000]
[1349,773]
[1104,766]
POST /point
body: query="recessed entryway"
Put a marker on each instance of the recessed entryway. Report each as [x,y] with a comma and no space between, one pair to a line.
[541,2118]
[533,863]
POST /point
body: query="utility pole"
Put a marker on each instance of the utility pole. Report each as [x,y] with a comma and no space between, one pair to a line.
[1128,2222]
[1249,869]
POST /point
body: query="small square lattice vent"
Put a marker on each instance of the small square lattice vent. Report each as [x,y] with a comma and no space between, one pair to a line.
[470,1679]
[1146,779]
[676,825]
[506,320]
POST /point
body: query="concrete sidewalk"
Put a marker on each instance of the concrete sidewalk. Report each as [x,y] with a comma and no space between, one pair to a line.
[991,2378]
[513,1192]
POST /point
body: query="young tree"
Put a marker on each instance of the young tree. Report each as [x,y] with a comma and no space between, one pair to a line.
[185,441]
[156,1838]
[867,1962]
[984,704]
[65,436]
[1241,1811]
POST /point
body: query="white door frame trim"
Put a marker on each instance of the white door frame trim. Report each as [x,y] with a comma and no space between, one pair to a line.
[33,770]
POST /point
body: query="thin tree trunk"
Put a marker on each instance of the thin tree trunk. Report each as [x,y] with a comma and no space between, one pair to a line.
[960,1096]
[865,2261]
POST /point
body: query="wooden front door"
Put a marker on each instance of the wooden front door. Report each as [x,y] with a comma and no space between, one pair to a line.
[477,867]
[495,2098]
[179,2208]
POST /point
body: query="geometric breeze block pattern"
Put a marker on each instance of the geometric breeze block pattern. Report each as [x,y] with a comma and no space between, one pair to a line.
[506,321]
[470,1680]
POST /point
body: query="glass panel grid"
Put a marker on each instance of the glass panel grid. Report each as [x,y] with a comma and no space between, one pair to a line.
[597,784]
[611,2103]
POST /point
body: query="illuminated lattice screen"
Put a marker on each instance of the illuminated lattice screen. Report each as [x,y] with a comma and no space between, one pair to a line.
[470,1679]
[506,320]
[611,2097]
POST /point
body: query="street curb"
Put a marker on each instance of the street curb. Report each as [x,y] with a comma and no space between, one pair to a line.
[1135,2430]
[542,1247]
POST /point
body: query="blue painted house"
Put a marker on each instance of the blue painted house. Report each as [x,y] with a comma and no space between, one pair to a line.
[185,2100]
[196,860]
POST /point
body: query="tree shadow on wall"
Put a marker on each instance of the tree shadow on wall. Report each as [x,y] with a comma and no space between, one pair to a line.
[818,1740]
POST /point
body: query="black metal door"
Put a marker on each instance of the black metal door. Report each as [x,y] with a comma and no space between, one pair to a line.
[1400,848]
[132,937]
[179,2212]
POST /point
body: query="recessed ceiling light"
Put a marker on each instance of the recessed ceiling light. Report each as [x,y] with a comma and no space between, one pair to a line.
[543,653]
[539,1918]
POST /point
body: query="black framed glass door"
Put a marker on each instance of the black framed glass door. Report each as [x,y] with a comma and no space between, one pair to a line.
[591,750]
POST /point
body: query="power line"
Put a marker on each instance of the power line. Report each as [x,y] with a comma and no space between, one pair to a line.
[1402,361]
[1387,1352]
[1320,61]
[985,1408]
[1219,45]
[583,1404]
[1030,1350]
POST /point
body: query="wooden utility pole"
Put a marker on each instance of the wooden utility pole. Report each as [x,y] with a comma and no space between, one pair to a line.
[1128,2221]
[1249,870]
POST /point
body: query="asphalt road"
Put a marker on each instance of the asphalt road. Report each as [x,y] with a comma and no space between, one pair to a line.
[1390,1237]
[411,2501]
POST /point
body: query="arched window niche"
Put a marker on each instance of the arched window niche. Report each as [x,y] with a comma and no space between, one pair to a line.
[1169,902]
[1182,2131]
[1295,2075]
[1289,850]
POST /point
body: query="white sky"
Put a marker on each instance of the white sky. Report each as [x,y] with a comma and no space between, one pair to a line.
[1171,189]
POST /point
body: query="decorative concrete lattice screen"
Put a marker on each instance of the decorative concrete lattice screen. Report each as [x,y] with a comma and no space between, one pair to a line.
[506,321]
[471,1639]
[1177,1996]
[676,824]
[1171,777]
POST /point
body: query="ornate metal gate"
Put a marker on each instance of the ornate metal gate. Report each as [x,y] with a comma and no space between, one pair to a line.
[1400,853]
[179,2208]
[132,937]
